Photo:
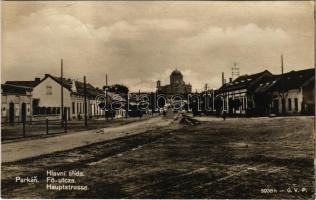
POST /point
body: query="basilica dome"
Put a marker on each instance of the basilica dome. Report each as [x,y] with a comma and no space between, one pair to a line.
[176,72]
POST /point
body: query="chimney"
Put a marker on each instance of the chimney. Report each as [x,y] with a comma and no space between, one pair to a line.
[73,86]
[158,84]
[230,80]
[223,80]
[37,79]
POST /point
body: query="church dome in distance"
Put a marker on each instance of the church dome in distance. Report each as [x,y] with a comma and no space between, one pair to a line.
[176,72]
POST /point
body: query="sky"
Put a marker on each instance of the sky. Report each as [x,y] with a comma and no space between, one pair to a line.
[138,43]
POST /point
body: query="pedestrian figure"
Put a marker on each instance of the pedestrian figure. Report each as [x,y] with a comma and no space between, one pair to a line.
[140,114]
[224,115]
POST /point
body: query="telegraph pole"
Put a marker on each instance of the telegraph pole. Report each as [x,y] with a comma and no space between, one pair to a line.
[213,99]
[62,92]
[127,105]
[106,112]
[85,101]
[282,68]
[282,83]
[223,79]
[235,71]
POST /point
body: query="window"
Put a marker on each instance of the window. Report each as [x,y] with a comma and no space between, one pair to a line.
[290,103]
[296,104]
[244,103]
[78,107]
[49,90]
[73,108]
[4,112]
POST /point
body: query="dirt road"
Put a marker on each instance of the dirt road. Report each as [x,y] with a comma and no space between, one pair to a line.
[236,158]
[26,149]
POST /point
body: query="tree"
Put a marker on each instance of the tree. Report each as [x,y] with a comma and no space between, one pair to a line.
[262,102]
[235,103]
[117,88]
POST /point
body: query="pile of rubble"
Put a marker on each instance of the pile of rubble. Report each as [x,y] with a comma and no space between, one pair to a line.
[186,120]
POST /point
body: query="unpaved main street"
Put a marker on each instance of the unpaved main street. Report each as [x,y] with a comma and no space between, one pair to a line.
[236,158]
[41,146]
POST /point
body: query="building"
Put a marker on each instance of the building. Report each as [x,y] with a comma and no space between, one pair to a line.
[16,103]
[292,92]
[42,98]
[239,95]
[176,86]
[47,98]
[17,100]
[264,93]
[29,84]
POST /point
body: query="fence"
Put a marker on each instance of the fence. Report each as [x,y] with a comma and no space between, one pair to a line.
[32,128]
[46,127]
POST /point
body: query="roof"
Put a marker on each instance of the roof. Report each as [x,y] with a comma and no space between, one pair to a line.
[176,72]
[24,83]
[14,89]
[292,80]
[267,84]
[91,91]
[248,82]
[67,83]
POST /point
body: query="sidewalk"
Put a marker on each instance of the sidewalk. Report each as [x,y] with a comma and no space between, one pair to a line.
[39,128]
[31,148]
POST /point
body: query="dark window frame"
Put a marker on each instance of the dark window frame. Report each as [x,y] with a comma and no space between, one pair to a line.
[289,100]
[296,104]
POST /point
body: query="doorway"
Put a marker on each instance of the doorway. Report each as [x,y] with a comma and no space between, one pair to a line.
[11,113]
[23,112]
[276,106]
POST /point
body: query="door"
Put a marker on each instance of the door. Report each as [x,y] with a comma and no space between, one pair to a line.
[11,113]
[23,112]
[276,106]
[68,112]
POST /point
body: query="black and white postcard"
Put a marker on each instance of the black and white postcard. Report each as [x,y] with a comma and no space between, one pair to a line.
[157,99]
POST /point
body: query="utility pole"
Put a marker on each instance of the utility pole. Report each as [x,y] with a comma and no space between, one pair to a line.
[106,79]
[127,105]
[152,99]
[106,112]
[282,83]
[62,92]
[282,64]
[223,79]
[235,71]
[85,101]
[213,99]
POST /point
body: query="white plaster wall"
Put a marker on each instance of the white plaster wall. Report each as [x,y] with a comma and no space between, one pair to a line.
[17,100]
[294,93]
[54,100]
